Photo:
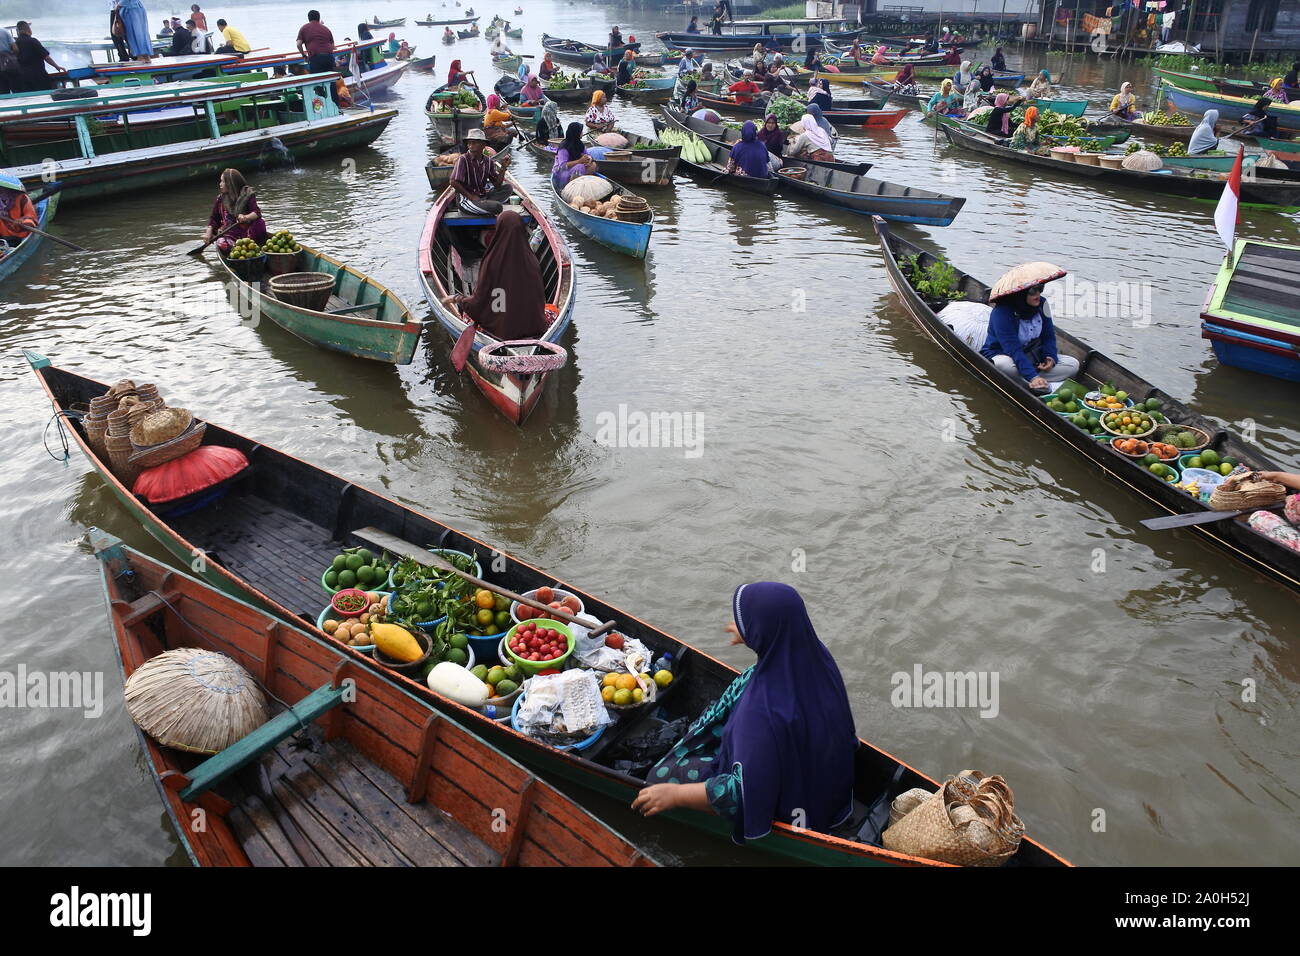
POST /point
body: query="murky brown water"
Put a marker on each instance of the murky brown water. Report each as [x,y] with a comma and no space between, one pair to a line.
[823,442]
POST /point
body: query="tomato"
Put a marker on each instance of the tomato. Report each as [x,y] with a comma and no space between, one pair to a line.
[548,671]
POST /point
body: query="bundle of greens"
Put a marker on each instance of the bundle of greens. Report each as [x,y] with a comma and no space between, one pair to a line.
[787,110]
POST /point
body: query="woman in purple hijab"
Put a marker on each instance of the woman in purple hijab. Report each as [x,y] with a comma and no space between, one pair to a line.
[749,156]
[778,744]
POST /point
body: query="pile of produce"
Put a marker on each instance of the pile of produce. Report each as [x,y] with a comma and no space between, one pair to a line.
[501,681]
[532,642]
[244,249]
[461,100]
[653,144]
[1160,118]
[355,631]
[786,109]
[694,149]
[447,159]
[562,81]
[1161,470]
[1052,124]
[282,241]
[1186,441]
[1128,422]
[569,604]
[640,75]
[1173,149]
[606,209]
[408,570]
[1164,451]
[357,567]
[1209,460]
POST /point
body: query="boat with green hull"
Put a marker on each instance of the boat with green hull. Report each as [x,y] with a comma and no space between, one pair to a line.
[247,125]
[361,317]
[271,532]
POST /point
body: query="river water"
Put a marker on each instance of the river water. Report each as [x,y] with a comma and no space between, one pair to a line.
[925,522]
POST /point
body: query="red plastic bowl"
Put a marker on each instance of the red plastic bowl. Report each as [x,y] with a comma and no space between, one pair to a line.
[334,602]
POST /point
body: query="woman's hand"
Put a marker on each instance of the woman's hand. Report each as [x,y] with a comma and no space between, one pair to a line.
[1038,382]
[657,798]
[734,631]
[1046,365]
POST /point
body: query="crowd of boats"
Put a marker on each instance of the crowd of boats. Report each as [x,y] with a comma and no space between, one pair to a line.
[136,126]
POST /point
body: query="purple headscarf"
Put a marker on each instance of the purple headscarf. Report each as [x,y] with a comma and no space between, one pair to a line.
[1001,100]
[750,155]
[791,732]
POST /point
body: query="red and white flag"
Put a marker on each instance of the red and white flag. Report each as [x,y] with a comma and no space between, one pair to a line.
[1225,214]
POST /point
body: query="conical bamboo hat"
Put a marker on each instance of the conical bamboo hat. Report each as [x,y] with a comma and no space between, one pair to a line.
[195,700]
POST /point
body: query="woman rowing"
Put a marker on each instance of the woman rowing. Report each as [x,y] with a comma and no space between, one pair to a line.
[945,101]
[600,118]
[749,157]
[548,123]
[532,93]
[236,210]
[985,80]
[571,159]
[547,68]
[17,213]
[952,57]
[973,99]
[1257,121]
[1204,139]
[690,101]
[1291,81]
[905,82]
[998,61]
[779,743]
[456,75]
[1124,103]
[599,65]
[448,36]
[878,58]
[496,121]
[1275,92]
[1021,340]
[509,297]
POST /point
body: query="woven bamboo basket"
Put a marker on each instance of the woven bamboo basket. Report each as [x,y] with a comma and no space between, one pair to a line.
[148,393]
[1203,438]
[631,208]
[96,428]
[306,290]
[182,444]
[119,450]
[250,270]
[794,172]
[618,154]
[1248,490]
[282,263]
[118,422]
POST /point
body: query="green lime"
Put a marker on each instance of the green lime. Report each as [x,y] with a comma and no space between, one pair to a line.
[347,579]
[366,556]
[354,561]
[340,562]
[480,671]
[365,574]
[513,672]
[1225,469]
[458,655]
[496,675]
[424,610]
[501,603]
[502,620]
[459,640]
[1195,462]
[331,578]
[506,687]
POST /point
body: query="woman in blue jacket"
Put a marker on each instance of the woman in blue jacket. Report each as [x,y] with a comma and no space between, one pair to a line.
[1022,339]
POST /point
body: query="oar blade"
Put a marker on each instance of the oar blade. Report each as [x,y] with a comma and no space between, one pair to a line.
[1164,522]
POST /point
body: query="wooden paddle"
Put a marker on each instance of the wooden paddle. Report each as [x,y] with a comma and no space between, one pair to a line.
[199,251]
[40,232]
[1164,522]
[442,565]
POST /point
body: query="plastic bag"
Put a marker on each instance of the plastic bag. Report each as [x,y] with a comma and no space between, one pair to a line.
[591,651]
[562,708]
[639,751]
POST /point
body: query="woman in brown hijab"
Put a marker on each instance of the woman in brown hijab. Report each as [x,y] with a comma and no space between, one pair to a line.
[509,300]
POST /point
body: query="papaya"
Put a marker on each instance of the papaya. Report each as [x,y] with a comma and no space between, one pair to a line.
[396,642]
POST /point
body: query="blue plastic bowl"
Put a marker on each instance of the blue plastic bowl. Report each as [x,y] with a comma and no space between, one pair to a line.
[486,648]
[580,745]
[320,625]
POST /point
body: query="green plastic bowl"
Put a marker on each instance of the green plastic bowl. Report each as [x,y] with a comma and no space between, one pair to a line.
[533,667]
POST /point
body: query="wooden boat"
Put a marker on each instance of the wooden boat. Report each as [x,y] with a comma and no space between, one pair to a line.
[1209,84]
[385,24]
[453,124]
[451,246]
[298,515]
[1265,189]
[1252,312]
[726,136]
[1231,107]
[362,318]
[579,93]
[252,125]
[516,33]
[524,114]
[630,238]
[1287,147]
[714,172]
[1234,535]
[458,21]
[578,53]
[468,34]
[384,779]
[46,206]
[856,78]
[508,63]
[645,167]
[645,94]
[796,34]
[1097,143]
[659,81]
[872,116]
[793,73]
[867,196]
[425,64]
[1112,122]
[886,94]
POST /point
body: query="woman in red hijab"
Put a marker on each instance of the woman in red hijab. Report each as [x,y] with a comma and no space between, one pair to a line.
[509,300]
[456,75]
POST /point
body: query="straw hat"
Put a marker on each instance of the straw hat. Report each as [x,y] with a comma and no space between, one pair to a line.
[161,425]
[1143,160]
[476,134]
[195,700]
[1023,276]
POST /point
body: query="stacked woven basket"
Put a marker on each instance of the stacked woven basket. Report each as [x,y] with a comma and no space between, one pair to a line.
[629,208]
[134,429]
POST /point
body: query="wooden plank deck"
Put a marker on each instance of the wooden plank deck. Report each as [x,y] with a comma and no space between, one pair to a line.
[329,806]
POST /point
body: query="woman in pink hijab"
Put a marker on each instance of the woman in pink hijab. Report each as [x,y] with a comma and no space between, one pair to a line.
[878,57]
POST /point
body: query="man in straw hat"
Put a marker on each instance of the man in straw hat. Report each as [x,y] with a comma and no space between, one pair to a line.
[1021,339]
[479,181]
[17,214]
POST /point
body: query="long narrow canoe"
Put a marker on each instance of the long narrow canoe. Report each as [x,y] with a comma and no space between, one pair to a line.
[15,257]
[385,24]
[1252,312]
[1209,84]
[646,94]
[1112,122]
[1234,535]
[1064,107]
[863,112]
[446,23]
[714,171]
[450,248]
[1098,143]
[630,238]
[267,539]
[726,136]
[579,53]
[451,124]
[387,782]
[1231,107]
[1265,189]
[362,318]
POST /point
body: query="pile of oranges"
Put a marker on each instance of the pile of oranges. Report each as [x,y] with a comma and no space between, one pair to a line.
[621,690]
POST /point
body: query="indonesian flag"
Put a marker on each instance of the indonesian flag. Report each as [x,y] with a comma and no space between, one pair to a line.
[1225,214]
